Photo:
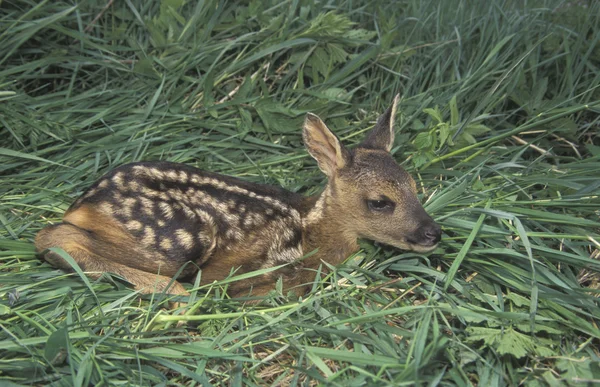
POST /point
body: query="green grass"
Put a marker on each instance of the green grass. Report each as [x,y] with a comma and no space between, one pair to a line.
[498,122]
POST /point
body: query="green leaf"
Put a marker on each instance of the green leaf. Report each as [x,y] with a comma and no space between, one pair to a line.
[352,357]
[336,52]
[444,135]
[468,138]
[593,149]
[288,44]
[4,310]
[578,369]
[447,196]
[508,341]
[423,141]
[57,346]
[26,156]
[174,4]
[361,34]
[497,48]
[513,343]
[144,66]
[351,66]
[417,125]
[435,114]
[420,159]
[464,249]
[454,116]
[490,336]
[319,60]
[476,129]
[276,116]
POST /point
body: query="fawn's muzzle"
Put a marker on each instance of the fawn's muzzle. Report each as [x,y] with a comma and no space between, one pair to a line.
[427,235]
[432,234]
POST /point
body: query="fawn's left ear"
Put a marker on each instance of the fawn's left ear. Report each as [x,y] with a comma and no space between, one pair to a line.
[324,146]
[382,135]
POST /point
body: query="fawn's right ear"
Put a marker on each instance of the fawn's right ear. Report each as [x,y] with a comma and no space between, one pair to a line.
[382,135]
[324,146]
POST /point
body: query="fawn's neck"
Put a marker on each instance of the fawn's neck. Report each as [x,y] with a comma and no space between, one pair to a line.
[324,229]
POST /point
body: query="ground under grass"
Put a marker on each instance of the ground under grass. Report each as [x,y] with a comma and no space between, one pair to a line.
[498,123]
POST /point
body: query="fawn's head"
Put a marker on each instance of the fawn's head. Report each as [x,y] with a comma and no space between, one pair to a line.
[369,194]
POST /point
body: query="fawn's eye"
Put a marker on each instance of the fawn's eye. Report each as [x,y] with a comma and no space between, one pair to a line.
[383,205]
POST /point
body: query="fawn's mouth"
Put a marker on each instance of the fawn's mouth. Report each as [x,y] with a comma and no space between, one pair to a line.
[421,248]
[411,245]
[407,245]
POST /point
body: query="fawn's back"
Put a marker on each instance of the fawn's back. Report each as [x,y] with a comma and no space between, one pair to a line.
[151,221]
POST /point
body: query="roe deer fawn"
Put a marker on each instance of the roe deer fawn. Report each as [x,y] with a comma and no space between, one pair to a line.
[144,221]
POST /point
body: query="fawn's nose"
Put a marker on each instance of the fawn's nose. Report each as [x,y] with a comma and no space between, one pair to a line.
[432,233]
[428,234]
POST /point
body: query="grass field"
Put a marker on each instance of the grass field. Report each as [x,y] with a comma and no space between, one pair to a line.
[499,123]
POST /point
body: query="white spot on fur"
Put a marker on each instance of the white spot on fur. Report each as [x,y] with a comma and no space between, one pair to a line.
[118,196]
[119,180]
[149,237]
[156,173]
[133,186]
[163,196]
[91,193]
[188,212]
[129,202]
[185,238]
[166,210]
[234,234]
[145,191]
[106,208]
[183,177]
[172,175]
[147,206]
[126,205]
[165,243]
[133,225]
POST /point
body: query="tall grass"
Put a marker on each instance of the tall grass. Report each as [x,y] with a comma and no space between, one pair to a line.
[498,122]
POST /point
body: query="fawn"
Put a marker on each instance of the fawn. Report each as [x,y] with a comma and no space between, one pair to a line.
[146,220]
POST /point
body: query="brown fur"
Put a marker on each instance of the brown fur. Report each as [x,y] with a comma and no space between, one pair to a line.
[145,221]
[80,245]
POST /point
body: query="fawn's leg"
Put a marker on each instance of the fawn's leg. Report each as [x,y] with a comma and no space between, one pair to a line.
[86,249]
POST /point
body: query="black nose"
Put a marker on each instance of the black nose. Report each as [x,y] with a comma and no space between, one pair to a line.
[432,233]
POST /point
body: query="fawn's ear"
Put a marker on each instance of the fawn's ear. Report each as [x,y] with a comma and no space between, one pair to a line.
[382,135]
[324,146]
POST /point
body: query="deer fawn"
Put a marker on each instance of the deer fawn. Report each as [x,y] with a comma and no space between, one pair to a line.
[145,221]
